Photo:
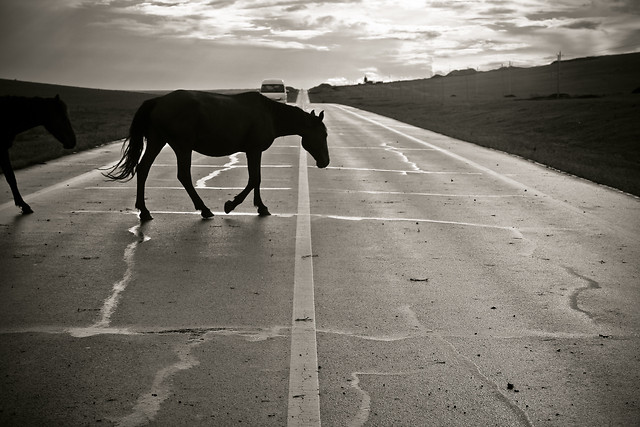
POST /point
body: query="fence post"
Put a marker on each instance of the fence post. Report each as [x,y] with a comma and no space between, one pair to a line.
[558,77]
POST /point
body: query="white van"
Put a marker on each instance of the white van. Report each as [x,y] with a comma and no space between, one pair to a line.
[274,89]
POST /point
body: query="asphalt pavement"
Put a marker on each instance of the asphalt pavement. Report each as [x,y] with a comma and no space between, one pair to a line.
[418,280]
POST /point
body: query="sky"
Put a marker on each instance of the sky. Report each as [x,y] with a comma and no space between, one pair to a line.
[235,44]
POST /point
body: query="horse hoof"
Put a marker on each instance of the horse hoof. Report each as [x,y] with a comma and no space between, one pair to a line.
[145,216]
[228,206]
[206,213]
[263,211]
[26,210]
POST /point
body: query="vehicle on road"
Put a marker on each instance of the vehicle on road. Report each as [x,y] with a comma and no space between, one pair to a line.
[274,89]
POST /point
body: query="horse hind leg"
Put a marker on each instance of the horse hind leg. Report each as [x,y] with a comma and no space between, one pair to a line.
[257,200]
[5,165]
[151,152]
[253,163]
[184,176]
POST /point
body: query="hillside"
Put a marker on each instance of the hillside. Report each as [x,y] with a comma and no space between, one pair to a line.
[591,130]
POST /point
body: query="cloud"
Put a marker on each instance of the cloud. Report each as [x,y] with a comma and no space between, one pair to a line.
[498,11]
[219,4]
[221,42]
[582,25]
[626,6]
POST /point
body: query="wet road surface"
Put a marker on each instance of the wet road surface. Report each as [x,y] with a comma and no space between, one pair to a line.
[431,281]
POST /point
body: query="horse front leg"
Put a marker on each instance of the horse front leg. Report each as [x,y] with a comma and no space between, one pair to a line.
[5,165]
[184,176]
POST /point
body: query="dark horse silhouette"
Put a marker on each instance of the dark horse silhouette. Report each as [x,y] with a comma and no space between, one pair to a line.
[18,114]
[214,125]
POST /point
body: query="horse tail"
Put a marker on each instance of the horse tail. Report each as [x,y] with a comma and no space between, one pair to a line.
[133,146]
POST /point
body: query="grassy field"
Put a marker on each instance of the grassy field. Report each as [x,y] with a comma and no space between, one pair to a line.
[592,130]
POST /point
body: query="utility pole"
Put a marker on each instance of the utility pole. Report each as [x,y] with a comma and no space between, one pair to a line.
[558,76]
[509,74]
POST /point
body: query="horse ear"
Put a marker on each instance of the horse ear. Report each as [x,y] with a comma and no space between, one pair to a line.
[313,113]
[321,115]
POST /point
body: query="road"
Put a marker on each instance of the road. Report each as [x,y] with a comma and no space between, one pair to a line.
[433,282]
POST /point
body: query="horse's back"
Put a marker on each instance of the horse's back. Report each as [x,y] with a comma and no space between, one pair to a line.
[211,123]
[214,102]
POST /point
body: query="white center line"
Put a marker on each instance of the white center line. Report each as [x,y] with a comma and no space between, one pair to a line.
[304,389]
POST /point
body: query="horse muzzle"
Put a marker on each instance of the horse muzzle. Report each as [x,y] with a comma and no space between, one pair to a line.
[322,163]
[69,142]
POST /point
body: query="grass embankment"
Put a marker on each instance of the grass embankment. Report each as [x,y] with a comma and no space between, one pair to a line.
[595,137]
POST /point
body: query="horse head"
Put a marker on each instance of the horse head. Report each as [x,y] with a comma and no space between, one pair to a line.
[56,121]
[314,139]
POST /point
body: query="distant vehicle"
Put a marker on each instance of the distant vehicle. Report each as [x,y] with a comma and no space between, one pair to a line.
[274,89]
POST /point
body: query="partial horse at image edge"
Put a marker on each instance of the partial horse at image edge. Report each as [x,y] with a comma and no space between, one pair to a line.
[214,125]
[19,114]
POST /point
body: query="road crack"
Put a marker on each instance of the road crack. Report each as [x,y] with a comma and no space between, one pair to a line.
[573,298]
[148,404]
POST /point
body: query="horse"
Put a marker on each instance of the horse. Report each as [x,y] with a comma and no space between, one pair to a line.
[18,114]
[214,125]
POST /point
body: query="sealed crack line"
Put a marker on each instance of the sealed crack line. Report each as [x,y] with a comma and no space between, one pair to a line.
[421,330]
[529,246]
[364,410]
[249,333]
[520,413]
[380,338]
[148,405]
[231,164]
[405,159]
[415,329]
[477,166]
[111,303]
[573,299]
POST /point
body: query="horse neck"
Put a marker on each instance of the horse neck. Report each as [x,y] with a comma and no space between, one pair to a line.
[29,113]
[288,120]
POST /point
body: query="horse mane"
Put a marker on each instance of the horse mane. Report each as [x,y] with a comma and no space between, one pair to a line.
[22,112]
[293,119]
[24,104]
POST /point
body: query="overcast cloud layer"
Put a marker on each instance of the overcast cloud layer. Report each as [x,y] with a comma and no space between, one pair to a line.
[215,44]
